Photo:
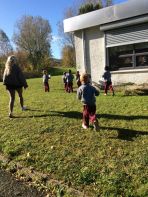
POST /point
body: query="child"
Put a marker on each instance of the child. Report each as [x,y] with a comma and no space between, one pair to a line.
[86,93]
[64,81]
[69,80]
[46,77]
[78,79]
[107,80]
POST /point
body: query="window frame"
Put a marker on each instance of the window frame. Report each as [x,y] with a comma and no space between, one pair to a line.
[133,55]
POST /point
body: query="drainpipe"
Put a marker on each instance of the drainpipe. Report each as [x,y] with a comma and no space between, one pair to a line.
[106,52]
[84,51]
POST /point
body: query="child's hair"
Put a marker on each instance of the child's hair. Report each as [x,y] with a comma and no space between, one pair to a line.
[106,67]
[84,78]
[44,71]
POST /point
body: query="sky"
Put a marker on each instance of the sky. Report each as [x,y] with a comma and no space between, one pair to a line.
[11,11]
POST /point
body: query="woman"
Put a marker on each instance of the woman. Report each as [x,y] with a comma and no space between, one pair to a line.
[14,80]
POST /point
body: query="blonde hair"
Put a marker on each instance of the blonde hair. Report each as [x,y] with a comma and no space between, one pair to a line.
[84,78]
[11,60]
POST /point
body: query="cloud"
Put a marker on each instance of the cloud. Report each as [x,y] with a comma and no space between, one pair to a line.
[56,38]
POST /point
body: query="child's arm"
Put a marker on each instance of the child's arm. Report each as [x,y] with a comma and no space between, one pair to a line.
[97,91]
[79,94]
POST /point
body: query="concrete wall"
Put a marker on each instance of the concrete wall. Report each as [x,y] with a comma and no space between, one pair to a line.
[90,57]
[93,57]
[79,48]
[137,76]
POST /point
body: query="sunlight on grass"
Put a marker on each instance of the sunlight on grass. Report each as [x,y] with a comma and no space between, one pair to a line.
[49,137]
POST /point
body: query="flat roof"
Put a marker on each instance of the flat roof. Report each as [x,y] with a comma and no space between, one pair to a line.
[117,12]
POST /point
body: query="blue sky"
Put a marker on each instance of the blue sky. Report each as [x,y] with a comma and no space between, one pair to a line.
[12,10]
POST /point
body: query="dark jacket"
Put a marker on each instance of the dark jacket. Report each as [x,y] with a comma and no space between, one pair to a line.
[69,78]
[45,78]
[15,79]
[107,76]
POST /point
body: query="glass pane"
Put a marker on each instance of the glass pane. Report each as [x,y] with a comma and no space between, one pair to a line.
[126,49]
[143,45]
[125,61]
[120,57]
[142,60]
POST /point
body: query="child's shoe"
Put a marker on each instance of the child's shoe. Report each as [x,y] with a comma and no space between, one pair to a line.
[84,126]
[24,108]
[96,125]
[11,115]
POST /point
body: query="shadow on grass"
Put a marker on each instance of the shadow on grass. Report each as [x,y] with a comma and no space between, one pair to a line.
[67,114]
[125,134]
[78,115]
[32,116]
[28,109]
[121,117]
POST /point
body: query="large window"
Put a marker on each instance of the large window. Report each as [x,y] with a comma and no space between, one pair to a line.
[128,56]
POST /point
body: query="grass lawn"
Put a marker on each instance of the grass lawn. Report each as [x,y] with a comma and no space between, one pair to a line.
[48,137]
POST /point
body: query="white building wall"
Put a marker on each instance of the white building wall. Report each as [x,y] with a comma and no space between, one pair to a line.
[79,49]
[90,57]
[137,76]
[93,59]
[95,52]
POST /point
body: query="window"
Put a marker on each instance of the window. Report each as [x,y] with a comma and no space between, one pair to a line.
[142,60]
[128,56]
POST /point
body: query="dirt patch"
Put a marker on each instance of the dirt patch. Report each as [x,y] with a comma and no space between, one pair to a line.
[11,187]
[16,180]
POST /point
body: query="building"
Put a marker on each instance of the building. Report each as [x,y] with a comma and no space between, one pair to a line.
[116,36]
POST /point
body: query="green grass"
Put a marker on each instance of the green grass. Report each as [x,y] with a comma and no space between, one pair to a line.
[49,137]
[55,71]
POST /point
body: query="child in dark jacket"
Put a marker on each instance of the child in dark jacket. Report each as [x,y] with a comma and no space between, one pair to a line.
[64,81]
[107,81]
[86,93]
[69,81]
[78,79]
[46,77]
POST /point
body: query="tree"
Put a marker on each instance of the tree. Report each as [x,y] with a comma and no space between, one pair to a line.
[5,50]
[106,3]
[5,46]
[68,56]
[89,8]
[22,57]
[100,3]
[92,5]
[67,39]
[33,35]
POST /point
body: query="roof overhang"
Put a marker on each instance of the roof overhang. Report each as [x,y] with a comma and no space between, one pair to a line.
[130,9]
